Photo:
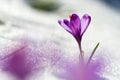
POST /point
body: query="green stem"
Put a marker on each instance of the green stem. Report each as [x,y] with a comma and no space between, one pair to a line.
[92,53]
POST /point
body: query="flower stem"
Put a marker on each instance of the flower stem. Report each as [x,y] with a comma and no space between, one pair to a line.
[90,58]
[81,56]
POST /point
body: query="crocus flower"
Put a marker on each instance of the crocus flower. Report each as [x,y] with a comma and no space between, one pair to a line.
[76,27]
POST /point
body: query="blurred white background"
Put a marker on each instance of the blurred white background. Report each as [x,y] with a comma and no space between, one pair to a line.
[20,18]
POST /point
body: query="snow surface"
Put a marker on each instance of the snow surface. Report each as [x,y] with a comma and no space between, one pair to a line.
[20,20]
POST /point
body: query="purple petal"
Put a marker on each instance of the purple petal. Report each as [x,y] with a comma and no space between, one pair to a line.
[65,25]
[66,22]
[75,21]
[85,21]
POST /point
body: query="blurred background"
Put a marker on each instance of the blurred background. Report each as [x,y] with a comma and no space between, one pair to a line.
[38,19]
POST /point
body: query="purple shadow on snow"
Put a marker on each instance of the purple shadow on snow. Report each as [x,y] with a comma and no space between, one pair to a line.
[77,71]
[30,58]
[22,62]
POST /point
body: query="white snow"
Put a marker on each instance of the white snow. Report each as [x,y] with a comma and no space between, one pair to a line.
[21,20]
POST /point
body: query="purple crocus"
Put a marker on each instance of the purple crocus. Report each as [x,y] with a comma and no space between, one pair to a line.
[76,27]
[79,70]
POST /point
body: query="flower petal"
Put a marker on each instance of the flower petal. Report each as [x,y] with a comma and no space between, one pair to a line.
[65,25]
[85,21]
[66,22]
[75,21]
